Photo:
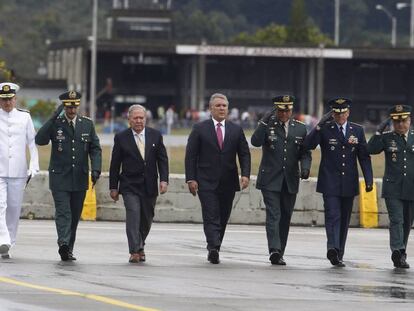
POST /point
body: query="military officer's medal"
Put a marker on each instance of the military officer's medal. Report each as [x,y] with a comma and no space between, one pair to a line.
[394,157]
[353,140]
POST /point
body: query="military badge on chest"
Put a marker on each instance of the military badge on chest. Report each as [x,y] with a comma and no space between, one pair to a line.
[272,137]
[60,138]
[353,140]
[332,142]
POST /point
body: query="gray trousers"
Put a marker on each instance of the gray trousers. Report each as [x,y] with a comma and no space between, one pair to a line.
[279,209]
[139,216]
[401,215]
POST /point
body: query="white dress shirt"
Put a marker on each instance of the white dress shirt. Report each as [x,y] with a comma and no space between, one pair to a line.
[17,132]
[343,126]
[139,136]
[223,127]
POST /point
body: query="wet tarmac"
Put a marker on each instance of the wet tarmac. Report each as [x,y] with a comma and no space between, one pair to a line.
[177,276]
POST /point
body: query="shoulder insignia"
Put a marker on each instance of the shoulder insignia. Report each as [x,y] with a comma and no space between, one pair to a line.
[85,117]
[386,132]
[297,121]
[23,110]
[353,123]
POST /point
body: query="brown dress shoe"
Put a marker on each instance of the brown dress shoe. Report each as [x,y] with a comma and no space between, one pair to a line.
[141,255]
[134,258]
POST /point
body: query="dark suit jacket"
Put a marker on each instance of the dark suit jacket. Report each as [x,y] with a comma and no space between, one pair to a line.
[210,166]
[338,171]
[129,172]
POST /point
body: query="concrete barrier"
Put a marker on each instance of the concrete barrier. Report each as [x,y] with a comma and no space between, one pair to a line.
[178,205]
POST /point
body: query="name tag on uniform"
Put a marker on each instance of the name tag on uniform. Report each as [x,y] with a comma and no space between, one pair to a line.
[298,140]
[332,141]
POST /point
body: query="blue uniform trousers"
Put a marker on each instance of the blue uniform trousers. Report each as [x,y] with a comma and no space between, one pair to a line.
[337,216]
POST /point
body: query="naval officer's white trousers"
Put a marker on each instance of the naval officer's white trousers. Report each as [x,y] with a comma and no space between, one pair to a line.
[11,197]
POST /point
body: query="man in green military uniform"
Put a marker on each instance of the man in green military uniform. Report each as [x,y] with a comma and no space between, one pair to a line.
[281,139]
[74,141]
[398,181]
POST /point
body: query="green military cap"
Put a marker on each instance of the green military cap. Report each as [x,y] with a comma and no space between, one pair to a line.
[340,104]
[284,102]
[399,112]
[8,89]
[71,99]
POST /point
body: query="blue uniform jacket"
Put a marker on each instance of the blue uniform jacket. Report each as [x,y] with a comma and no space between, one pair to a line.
[338,171]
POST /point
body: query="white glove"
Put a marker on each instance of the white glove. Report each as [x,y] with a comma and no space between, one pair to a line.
[32,172]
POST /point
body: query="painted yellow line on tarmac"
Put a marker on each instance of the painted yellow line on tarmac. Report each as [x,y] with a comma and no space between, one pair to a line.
[103,299]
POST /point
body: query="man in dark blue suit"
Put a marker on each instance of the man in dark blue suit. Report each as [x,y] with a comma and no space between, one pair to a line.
[342,143]
[211,170]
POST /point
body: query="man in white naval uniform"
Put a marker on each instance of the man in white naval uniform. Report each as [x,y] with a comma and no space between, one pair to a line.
[16,132]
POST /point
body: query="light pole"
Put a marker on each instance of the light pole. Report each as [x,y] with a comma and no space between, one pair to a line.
[393,23]
[402,5]
[92,89]
[337,18]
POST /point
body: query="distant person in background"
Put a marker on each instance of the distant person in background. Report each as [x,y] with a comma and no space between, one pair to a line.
[169,119]
[281,138]
[342,144]
[138,158]
[160,113]
[16,133]
[398,181]
[211,170]
[74,143]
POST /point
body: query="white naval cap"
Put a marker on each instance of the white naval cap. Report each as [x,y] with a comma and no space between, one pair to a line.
[8,89]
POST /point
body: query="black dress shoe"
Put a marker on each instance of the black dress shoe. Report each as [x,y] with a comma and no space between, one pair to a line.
[64,252]
[281,262]
[341,264]
[213,256]
[396,258]
[332,255]
[275,257]
[71,257]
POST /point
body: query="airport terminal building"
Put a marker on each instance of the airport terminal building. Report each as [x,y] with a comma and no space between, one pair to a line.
[139,61]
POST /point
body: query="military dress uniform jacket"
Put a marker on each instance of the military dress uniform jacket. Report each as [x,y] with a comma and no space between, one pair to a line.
[338,171]
[281,155]
[138,175]
[398,180]
[69,163]
[17,132]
